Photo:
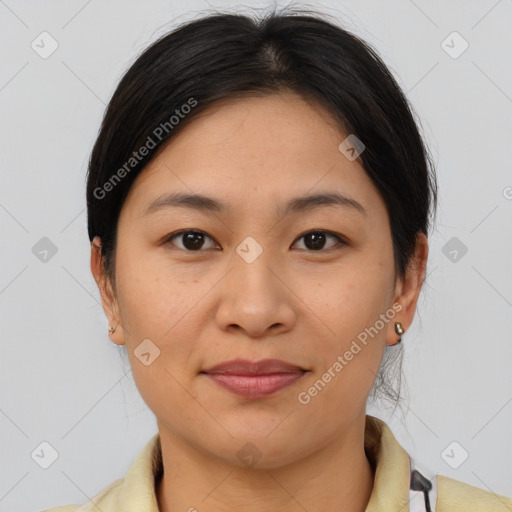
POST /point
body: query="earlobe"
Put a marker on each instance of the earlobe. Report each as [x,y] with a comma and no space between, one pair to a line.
[408,290]
[399,330]
[108,298]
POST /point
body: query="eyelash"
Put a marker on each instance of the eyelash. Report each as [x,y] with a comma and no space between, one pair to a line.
[341,240]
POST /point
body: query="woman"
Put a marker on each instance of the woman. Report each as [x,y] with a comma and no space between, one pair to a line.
[259,199]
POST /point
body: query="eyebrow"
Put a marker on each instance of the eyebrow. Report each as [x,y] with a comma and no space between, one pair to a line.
[208,204]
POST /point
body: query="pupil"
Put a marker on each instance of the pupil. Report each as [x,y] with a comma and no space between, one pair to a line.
[318,240]
[192,239]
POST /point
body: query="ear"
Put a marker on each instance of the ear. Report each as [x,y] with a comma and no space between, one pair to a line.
[408,288]
[108,297]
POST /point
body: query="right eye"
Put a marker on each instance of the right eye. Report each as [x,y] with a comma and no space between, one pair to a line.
[192,239]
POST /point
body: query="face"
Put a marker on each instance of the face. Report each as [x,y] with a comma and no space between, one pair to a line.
[268,273]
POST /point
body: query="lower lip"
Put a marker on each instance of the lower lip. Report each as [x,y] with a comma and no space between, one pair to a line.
[255,386]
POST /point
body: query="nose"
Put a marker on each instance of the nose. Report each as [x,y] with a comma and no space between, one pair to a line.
[255,297]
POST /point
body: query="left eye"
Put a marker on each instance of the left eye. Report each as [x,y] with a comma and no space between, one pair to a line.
[193,240]
[316,239]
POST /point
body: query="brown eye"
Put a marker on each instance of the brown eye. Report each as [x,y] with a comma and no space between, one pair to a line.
[192,240]
[316,240]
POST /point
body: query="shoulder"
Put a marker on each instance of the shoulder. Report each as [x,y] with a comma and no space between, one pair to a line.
[106,501]
[136,491]
[454,495]
[63,508]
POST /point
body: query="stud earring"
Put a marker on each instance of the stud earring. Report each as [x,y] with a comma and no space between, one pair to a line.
[111,330]
[399,330]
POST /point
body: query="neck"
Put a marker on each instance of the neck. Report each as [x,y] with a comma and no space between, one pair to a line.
[337,477]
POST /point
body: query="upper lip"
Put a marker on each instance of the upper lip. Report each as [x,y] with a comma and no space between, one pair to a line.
[245,367]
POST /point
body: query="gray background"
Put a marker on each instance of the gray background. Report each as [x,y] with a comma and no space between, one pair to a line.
[63,382]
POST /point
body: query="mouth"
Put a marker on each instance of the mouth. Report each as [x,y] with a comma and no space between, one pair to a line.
[255,379]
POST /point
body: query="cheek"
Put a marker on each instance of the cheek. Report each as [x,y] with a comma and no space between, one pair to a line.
[355,294]
[350,306]
[151,296]
[160,318]
[156,306]
[347,360]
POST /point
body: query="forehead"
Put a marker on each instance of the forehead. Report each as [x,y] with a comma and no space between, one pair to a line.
[262,125]
[272,146]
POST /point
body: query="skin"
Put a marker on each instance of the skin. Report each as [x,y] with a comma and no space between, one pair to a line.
[205,306]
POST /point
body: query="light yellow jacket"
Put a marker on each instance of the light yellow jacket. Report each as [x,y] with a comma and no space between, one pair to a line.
[136,491]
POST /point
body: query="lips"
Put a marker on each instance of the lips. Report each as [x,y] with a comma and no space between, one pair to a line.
[250,368]
[257,379]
